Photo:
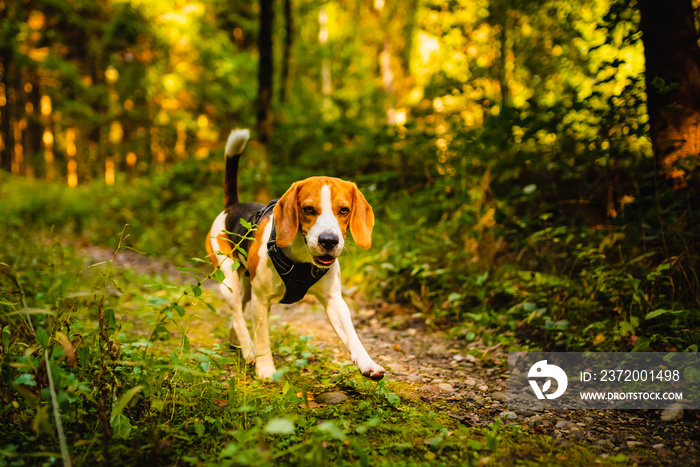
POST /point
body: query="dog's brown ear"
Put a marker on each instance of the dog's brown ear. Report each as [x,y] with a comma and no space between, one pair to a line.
[361,219]
[287,217]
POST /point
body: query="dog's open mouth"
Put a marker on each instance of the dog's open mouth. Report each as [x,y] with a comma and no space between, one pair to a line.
[325,260]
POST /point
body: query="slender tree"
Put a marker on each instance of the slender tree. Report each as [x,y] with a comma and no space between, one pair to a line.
[8,140]
[673,83]
[287,49]
[265,69]
[13,15]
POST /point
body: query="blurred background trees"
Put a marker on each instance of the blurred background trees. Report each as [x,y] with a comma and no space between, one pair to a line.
[539,156]
[111,89]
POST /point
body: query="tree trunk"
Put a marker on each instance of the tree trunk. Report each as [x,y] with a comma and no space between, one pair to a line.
[498,18]
[673,84]
[264,113]
[287,51]
[388,79]
[11,14]
[326,87]
[265,93]
[32,135]
[503,66]
[385,59]
[6,129]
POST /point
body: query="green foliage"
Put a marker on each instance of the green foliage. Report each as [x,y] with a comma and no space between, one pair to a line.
[128,385]
[167,214]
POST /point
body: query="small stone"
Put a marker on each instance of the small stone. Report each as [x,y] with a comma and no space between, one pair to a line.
[331,398]
[470,382]
[633,444]
[414,378]
[561,425]
[499,396]
[483,387]
[672,414]
[606,443]
[411,331]
[428,388]
[535,421]
[525,413]
[659,446]
[446,387]
[562,443]
[437,350]
[458,358]
[470,358]
[508,415]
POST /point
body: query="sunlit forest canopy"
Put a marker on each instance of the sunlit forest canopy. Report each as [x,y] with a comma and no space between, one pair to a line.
[112,89]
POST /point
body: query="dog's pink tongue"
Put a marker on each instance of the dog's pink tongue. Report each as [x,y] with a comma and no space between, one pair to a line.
[326,259]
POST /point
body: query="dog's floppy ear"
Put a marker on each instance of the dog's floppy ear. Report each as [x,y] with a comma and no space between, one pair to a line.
[287,217]
[361,219]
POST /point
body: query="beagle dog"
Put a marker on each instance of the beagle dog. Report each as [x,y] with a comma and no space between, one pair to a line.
[293,251]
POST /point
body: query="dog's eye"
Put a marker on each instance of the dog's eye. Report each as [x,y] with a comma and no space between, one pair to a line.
[309,210]
[344,211]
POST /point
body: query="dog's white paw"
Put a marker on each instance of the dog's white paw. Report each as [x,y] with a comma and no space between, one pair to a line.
[264,370]
[369,369]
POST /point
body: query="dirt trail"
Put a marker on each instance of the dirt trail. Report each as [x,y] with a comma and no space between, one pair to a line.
[466,380]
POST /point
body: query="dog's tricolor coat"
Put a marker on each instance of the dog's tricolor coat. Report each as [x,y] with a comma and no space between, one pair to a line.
[309,223]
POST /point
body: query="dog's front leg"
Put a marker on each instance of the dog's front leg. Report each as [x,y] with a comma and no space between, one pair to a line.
[264,365]
[339,316]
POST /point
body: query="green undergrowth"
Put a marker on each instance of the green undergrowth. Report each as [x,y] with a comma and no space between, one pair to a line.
[517,264]
[103,364]
[517,270]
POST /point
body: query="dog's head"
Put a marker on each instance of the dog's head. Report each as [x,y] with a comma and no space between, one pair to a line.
[321,209]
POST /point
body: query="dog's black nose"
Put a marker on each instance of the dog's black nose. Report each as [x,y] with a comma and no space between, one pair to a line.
[328,241]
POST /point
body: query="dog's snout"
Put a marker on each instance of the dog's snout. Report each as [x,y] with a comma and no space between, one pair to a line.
[328,241]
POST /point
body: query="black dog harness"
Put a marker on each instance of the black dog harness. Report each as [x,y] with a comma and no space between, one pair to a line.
[297,277]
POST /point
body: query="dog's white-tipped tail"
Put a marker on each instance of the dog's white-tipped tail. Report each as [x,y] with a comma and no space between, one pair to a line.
[236,142]
[234,147]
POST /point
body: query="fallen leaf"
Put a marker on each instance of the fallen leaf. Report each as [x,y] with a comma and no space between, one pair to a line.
[221,402]
[67,347]
[312,405]
[397,347]
[305,395]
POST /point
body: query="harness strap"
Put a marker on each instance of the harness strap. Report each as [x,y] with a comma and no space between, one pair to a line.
[297,277]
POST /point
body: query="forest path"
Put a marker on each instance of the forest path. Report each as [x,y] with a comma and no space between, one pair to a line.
[466,380]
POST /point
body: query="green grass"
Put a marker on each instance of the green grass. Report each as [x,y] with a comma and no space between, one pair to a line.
[141,374]
[140,371]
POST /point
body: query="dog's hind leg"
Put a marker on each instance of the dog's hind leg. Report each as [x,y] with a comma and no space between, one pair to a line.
[238,330]
[264,364]
[245,287]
